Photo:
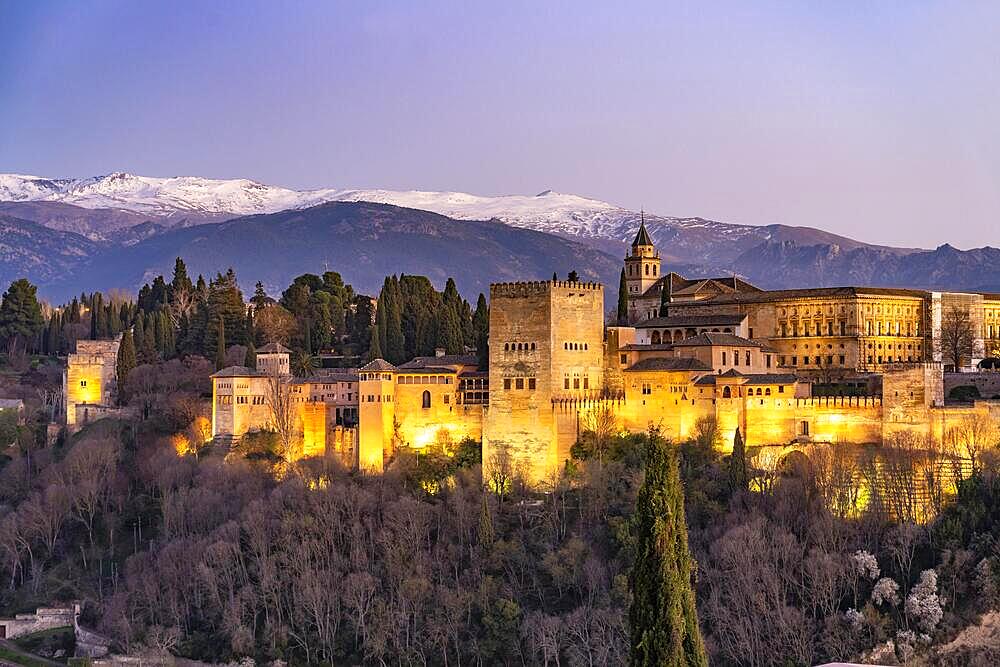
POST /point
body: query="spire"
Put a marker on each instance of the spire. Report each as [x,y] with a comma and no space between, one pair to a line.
[642,236]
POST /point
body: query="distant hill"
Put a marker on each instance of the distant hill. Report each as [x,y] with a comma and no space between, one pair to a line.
[363,241]
[41,254]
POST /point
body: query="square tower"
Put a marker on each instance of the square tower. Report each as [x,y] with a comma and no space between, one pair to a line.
[546,346]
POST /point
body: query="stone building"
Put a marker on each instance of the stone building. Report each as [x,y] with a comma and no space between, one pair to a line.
[821,333]
[90,384]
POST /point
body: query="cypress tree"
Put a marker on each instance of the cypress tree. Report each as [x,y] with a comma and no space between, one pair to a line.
[220,345]
[149,339]
[663,620]
[449,334]
[374,347]
[139,332]
[114,320]
[481,324]
[124,364]
[664,298]
[739,472]
[622,300]
[251,359]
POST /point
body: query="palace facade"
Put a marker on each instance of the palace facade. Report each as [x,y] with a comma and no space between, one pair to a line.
[788,368]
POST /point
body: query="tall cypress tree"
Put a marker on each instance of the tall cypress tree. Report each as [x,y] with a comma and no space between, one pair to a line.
[622,300]
[481,325]
[220,345]
[739,472]
[374,346]
[124,364]
[250,361]
[663,620]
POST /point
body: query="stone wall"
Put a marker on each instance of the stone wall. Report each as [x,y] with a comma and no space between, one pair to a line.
[44,618]
[987,382]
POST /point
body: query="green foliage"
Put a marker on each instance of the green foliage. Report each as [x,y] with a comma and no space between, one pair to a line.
[965,392]
[220,344]
[663,621]
[468,453]
[20,314]
[124,364]
[622,300]
[739,471]
[250,361]
[481,326]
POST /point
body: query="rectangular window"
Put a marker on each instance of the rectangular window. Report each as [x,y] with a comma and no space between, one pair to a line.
[736,358]
[576,383]
[586,382]
[447,399]
[647,389]
[804,428]
[506,384]
[843,360]
[519,383]
[83,383]
[750,335]
[624,358]
[748,358]
[795,361]
[566,383]
[723,358]
[767,360]
[781,389]
[843,328]
[531,384]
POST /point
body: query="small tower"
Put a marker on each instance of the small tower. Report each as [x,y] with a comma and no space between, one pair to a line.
[272,359]
[642,266]
[376,414]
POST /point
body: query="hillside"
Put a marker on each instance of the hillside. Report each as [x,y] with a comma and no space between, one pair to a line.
[363,241]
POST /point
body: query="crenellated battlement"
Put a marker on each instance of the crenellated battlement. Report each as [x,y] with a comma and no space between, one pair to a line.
[539,287]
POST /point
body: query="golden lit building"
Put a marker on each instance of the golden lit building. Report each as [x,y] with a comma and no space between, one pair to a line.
[90,384]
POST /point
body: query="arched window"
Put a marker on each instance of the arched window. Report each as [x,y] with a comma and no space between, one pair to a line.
[767,392]
[426,399]
[506,347]
[726,393]
[655,339]
[647,269]
[532,346]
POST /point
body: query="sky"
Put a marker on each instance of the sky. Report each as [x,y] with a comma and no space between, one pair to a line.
[878,121]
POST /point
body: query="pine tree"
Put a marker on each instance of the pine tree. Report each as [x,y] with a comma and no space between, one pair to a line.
[622,300]
[481,324]
[20,315]
[663,620]
[124,364]
[739,473]
[181,282]
[220,345]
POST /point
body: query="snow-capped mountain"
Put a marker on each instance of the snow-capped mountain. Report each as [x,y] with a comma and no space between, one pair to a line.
[189,200]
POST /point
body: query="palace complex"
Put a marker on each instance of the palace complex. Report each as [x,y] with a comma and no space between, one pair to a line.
[846,365]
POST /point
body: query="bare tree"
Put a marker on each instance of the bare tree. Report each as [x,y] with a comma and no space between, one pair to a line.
[970,439]
[602,425]
[957,336]
[283,416]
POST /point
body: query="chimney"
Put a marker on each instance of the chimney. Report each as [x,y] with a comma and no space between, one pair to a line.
[439,351]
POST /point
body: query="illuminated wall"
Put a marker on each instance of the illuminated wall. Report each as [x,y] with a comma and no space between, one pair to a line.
[546,343]
[89,378]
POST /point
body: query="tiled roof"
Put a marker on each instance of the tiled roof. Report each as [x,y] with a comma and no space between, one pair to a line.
[691,321]
[678,284]
[772,378]
[705,339]
[236,372]
[642,236]
[274,348]
[377,365]
[426,370]
[807,293]
[445,360]
[670,364]
[636,347]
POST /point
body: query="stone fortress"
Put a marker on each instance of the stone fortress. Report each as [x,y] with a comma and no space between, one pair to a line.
[845,365]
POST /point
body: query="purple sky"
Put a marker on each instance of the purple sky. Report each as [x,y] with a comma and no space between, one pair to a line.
[879,121]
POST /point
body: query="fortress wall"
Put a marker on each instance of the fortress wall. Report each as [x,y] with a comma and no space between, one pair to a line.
[419,426]
[987,382]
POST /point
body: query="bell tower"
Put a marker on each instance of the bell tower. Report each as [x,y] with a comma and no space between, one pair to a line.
[642,265]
